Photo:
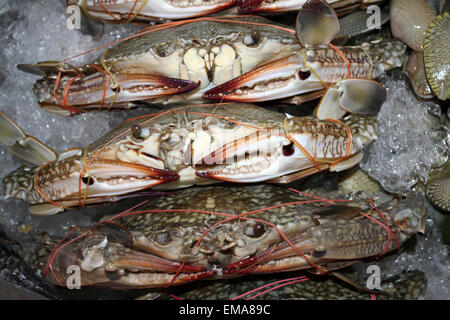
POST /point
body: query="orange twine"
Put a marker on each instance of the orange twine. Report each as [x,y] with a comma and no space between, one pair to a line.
[341,54]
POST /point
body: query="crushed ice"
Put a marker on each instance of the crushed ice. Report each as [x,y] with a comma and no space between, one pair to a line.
[35,31]
[426,253]
[411,139]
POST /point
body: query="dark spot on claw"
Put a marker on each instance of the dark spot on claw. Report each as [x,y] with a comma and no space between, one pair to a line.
[288,150]
[165,49]
[88,180]
[319,253]
[253,40]
[115,89]
[303,75]
[113,275]
[230,125]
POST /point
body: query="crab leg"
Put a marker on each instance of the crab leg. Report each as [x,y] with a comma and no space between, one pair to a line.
[266,155]
[286,77]
[22,145]
[99,89]
[261,150]
[104,260]
[157,280]
[275,80]
[102,181]
[359,96]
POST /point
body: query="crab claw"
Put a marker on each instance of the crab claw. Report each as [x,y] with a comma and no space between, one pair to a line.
[112,177]
[261,156]
[99,89]
[415,69]
[101,181]
[274,80]
[105,257]
[165,9]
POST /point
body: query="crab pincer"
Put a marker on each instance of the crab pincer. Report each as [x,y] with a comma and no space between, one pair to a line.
[100,90]
[56,182]
[105,257]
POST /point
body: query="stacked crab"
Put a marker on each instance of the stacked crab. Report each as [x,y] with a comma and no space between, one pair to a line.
[205,72]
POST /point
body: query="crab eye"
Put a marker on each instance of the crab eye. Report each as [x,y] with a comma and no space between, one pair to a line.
[164,50]
[88,180]
[288,150]
[163,238]
[136,131]
[303,75]
[255,231]
[252,40]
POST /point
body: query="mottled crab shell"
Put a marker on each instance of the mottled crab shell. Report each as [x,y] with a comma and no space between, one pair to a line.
[407,285]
